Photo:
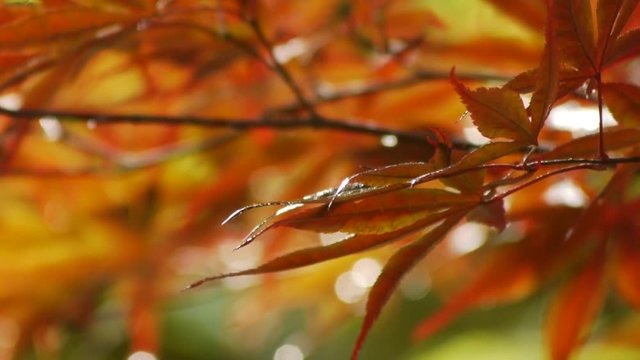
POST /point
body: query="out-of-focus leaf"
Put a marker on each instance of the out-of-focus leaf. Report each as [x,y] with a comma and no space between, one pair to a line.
[350,245]
[492,214]
[397,266]
[498,113]
[626,266]
[575,307]
[574,31]
[404,21]
[623,100]
[508,274]
[625,46]
[524,82]
[53,24]
[529,12]
[546,90]
[612,17]
[568,81]
[587,146]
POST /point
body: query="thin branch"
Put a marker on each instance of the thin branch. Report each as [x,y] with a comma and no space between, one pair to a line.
[282,72]
[237,124]
[415,78]
[519,187]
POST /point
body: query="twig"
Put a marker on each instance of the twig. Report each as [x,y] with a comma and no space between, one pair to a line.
[236,124]
[416,78]
[282,72]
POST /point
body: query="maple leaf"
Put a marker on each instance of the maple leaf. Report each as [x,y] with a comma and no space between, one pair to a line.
[497,112]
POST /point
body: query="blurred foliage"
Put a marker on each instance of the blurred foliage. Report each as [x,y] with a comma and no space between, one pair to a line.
[129,130]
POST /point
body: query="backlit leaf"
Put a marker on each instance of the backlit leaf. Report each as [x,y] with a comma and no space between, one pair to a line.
[574,31]
[497,112]
[626,266]
[625,46]
[623,100]
[529,12]
[612,17]
[397,266]
[54,24]
[492,214]
[546,90]
[376,214]
[471,182]
[586,146]
[575,307]
[507,274]
[351,244]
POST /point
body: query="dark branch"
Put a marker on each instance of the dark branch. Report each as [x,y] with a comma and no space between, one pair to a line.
[425,136]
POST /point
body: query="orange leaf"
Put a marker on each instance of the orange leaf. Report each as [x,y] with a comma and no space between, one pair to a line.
[376,214]
[546,91]
[612,17]
[407,22]
[624,102]
[574,31]
[575,307]
[53,24]
[397,266]
[507,275]
[587,146]
[497,112]
[626,267]
[350,245]
[625,46]
[471,182]
[491,214]
[528,12]
[524,82]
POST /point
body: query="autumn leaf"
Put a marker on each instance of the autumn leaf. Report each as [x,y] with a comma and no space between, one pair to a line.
[546,90]
[397,266]
[574,31]
[586,146]
[491,213]
[626,263]
[376,214]
[351,244]
[472,182]
[58,23]
[623,100]
[497,112]
[531,13]
[612,17]
[575,307]
[624,47]
[508,273]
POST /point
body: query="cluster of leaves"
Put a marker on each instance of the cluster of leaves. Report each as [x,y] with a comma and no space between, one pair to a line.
[132,95]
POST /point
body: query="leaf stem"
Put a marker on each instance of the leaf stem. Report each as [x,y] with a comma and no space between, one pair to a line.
[601,151]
